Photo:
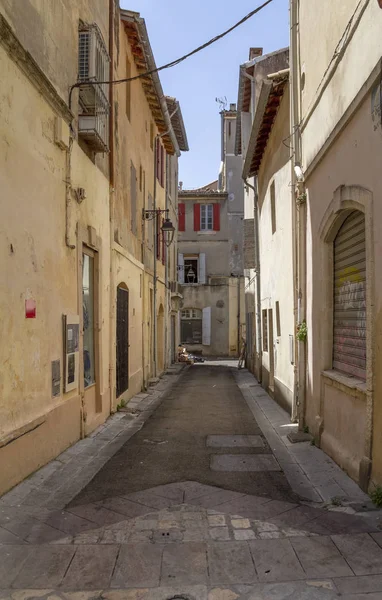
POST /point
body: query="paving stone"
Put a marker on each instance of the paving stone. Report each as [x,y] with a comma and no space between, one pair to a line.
[222,594]
[68,522]
[275,560]
[198,534]
[320,557]
[124,507]
[173,491]
[296,590]
[145,525]
[342,524]
[216,520]
[195,592]
[296,517]
[272,508]
[244,462]
[361,552]
[216,499]
[270,535]
[91,567]
[230,563]
[96,513]
[150,500]
[138,565]
[245,506]
[240,523]
[184,564]
[244,534]
[45,567]
[235,441]
[12,559]
[7,537]
[377,537]
[219,533]
[33,531]
[359,585]
[193,489]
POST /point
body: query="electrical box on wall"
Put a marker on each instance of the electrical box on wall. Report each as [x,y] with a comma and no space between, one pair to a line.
[61,133]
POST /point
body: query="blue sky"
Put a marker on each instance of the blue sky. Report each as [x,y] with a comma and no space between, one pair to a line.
[175,27]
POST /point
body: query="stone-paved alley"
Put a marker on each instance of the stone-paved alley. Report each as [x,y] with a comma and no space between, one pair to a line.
[191,492]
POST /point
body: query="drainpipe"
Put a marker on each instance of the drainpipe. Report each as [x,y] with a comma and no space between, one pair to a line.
[111,207]
[238,314]
[300,213]
[68,192]
[167,303]
[257,271]
[157,137]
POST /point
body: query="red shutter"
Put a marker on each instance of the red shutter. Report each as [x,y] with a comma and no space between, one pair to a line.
[182,217]
[196,217]
[216,213]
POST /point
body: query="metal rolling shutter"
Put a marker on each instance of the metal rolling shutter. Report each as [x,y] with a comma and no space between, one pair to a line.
[349,343]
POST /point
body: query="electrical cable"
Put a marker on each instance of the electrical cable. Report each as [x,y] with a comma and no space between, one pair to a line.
[174,62]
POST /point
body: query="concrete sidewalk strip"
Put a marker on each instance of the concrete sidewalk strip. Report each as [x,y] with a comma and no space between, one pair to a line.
[45,567]
[91,568]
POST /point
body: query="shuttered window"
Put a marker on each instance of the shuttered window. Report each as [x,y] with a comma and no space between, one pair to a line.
[349,339]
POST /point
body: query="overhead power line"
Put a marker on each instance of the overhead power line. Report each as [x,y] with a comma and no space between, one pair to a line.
[178,60]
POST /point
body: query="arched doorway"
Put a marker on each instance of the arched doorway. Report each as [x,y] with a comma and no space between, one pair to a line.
[122,336]
[160,339]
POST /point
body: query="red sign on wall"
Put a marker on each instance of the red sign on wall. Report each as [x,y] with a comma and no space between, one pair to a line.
[30,309]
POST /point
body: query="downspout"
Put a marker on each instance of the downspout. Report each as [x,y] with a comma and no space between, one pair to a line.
[157,137]
[68,191]
[111,209]
[298,189]
[238,314]
[167,303]
[257,271]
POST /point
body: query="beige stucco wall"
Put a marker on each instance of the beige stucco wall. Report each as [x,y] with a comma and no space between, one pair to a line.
[276,254]
[353,160]
[36,263]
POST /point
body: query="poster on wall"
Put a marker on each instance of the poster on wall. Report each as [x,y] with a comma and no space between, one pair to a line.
[72,340]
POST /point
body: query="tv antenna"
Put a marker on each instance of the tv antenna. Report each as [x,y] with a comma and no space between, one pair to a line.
[222,102]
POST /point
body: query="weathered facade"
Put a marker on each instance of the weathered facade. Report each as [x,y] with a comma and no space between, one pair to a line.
[210,256]
[337,140]
[73,241]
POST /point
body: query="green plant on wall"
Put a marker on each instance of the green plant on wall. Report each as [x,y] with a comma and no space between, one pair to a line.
[302,332]
[376,496]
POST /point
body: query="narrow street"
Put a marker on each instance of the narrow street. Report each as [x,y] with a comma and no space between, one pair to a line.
[190,502]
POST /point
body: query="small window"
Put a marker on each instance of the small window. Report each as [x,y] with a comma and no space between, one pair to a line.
[206,217]
[191,326]
[88,302]
[152,135]
[273,207]
[278,324]
[265,330]
[128,89]
[191,269]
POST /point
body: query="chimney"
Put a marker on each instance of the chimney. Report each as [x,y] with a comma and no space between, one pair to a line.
[255,52]
[232,107]
[180,186]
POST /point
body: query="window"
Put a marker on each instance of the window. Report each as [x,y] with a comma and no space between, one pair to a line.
[128,89]
[88,317]
[160,162]
[273,207]
[206,217]
[191,326]
[93,64]
[133,192]
[152,135]
[191,269]
[265,330]
[278,323]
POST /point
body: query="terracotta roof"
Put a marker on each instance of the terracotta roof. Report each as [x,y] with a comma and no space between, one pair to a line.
[245,91]
[268,104]
[177,123]
[137,35]
[200,193]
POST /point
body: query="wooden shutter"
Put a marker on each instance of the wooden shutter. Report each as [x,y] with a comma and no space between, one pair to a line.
[196,217]
[182,217]
[206,326]
[161,165]
[158,235]
[181,268]
[163,244]
[202,268]
[216,213]
[349,338]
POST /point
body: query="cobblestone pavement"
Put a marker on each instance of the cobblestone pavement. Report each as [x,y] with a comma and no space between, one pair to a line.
[188,540]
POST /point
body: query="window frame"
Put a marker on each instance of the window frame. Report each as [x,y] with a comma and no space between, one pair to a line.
[204,216]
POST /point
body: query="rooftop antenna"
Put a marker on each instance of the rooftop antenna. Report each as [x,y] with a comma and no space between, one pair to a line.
[222,102]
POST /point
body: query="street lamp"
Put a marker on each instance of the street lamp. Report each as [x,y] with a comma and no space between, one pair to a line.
[168,229]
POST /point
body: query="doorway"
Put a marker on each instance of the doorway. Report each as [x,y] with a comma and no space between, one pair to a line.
[122,358]
[89,329]
[160,340]
[173,340]
[271,352]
